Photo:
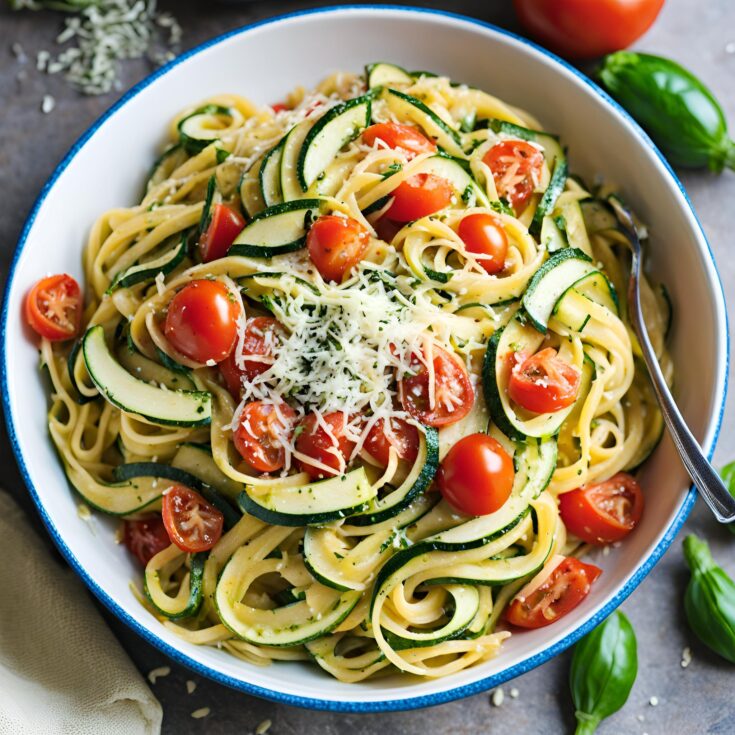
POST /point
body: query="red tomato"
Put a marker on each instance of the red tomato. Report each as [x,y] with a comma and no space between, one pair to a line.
[146,537]
[224,226]
[580,29]
[605,512]
[516,166]
[419,196]
[483,234]
[543,383]
[561,591]
[476,476]
[315,442]
[261,335]
[279,107]
[201,321]
[405,137]
[336,244]
[453,393]
[54,308]
[192,523]
[261,433]
[402,436]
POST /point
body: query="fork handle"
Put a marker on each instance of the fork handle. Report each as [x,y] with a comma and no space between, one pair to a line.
[705,477]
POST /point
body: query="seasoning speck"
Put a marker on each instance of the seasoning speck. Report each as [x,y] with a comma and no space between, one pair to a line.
[190,686]
[197,714]
[158,673]
[686,657]
[48,104]
[19,53]
[653,701]
[263,727]
[497,697]
[514,693]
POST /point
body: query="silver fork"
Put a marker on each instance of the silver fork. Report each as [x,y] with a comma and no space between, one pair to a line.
[703,474]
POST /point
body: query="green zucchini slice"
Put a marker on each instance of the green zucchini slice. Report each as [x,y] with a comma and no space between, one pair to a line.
[313,504]
[119,387]
[329,134]
[412,109]
[279,229]
[551,281]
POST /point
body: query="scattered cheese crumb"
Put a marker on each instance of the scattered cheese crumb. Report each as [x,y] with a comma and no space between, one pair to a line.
[641,718]
[158,673]
[730,48]
[497,697]
[48,103]
[263,727]
[84,512]
[197,714]
[653,701]
[514,693]
[686,657]
[190,686]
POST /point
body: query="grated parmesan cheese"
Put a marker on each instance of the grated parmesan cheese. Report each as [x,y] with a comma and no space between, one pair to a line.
[102,33]
[342,350]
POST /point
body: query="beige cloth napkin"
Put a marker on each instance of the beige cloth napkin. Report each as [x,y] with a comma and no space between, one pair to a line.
[61,669]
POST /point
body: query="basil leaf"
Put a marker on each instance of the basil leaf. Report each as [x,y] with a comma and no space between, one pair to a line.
[680,113]
[727,473]
[604,668]
[709,601]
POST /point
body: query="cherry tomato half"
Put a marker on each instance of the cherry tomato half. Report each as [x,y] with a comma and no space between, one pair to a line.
[394,135]
[146,537]
[224,226]
[476,475]
[316,443]
[201,321]
[516,166]
[604,512]
[191,522]
[336,245]
[261,433]
[399,434]
[419,196]
[54,307]
[580,29]
[483,235]
[561,591]
[261,337]
[544,382]
[453,393]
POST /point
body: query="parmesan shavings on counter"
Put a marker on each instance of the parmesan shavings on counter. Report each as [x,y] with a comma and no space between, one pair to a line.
[101,33]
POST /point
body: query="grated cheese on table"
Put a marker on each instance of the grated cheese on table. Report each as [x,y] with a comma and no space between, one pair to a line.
[102,33]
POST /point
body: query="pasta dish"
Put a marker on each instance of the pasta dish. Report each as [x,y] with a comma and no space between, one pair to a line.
[355,377]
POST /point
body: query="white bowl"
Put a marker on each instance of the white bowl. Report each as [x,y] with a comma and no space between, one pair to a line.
[106,169]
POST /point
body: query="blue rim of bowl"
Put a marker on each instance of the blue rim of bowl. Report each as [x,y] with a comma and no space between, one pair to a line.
[409,703]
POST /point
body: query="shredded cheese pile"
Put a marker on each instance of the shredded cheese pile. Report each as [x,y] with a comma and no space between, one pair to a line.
[342,350]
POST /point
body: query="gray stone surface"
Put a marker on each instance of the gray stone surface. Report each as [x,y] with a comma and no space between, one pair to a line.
[697,699]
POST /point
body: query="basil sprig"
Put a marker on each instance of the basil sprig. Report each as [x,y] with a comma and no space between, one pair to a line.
[675,108]
[604,667]
[728,477]
[709,601]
